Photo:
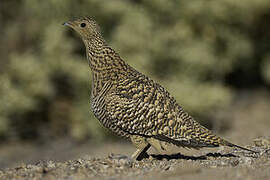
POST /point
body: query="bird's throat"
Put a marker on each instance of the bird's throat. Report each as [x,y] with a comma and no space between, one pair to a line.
[103,60]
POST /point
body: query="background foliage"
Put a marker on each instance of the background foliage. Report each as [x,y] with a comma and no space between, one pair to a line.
[203,52]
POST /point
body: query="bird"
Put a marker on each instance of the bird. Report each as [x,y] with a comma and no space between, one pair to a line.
[132,105]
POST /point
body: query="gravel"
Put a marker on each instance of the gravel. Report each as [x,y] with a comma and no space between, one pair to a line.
[224,164]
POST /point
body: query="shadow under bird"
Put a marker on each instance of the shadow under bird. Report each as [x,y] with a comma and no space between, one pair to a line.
[134,106]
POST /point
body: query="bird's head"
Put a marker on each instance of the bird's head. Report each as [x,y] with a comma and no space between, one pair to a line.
[85,26]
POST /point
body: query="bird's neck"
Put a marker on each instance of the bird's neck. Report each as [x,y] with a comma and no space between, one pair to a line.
[104,62]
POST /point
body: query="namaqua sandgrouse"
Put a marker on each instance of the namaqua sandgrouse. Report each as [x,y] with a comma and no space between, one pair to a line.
[132,105]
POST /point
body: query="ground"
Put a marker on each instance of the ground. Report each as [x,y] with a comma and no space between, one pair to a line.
[61,159]
[231,164]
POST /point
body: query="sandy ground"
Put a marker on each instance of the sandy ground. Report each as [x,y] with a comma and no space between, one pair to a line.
[62,159]
[232,164]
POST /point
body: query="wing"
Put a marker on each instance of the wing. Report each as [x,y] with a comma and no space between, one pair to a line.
[140,106]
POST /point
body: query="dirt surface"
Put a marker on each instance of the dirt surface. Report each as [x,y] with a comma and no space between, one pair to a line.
[62,159]
[232,164]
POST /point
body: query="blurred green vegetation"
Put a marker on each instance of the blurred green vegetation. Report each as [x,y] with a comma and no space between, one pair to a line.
[201,51]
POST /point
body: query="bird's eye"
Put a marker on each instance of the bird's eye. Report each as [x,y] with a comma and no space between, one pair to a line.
[82,25]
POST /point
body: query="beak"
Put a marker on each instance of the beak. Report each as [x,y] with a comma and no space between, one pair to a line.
[67,24]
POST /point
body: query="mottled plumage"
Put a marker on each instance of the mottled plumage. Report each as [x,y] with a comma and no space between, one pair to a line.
[132,105]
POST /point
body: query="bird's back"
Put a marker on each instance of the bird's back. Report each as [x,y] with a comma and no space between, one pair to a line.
[138,105]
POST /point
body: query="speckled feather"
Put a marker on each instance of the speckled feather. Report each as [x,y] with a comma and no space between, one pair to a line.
[140,106]
[132,105]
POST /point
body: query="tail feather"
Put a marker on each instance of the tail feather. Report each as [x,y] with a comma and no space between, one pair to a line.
[212,139]
[226,143]
[208,139]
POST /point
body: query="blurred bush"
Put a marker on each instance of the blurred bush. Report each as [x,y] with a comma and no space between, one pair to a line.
[199,50]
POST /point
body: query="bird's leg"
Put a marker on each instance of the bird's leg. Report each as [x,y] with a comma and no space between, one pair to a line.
[140,154]
[142,146]
[158,146]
